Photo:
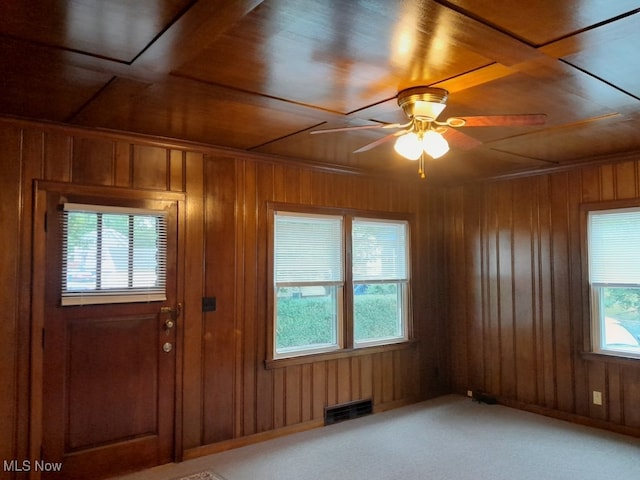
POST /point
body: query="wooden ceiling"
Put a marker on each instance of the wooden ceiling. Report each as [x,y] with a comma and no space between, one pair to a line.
[259,75]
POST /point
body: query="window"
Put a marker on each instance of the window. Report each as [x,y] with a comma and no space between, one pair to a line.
[380,280]
[614,281]
[112,254]
[340,282]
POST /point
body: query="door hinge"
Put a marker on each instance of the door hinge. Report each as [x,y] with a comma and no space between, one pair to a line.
[43,331]
[46,218]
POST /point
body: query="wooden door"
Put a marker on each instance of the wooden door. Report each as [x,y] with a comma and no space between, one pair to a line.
[109,370]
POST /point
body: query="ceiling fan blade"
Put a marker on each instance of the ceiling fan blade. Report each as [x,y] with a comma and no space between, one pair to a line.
[380,141]
[501,120]
[360,127]
[460,140]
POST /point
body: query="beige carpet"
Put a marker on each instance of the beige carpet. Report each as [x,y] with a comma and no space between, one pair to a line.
[448,438]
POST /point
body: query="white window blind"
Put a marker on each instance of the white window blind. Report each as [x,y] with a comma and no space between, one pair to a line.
[308,248]
[379,250]
[614,239]
[113,254]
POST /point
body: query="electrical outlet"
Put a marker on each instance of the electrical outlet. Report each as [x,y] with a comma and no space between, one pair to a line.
[469,393]
[597,397]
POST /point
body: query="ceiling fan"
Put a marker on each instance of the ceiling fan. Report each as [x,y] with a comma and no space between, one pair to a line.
[423,133]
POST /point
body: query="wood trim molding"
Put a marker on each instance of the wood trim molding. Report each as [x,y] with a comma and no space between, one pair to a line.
[106,192]
[172,143]
[582,163]
[343,353]
[250,439]
[570,417]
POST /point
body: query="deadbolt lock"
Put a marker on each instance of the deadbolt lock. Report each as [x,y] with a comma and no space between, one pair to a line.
[173,314]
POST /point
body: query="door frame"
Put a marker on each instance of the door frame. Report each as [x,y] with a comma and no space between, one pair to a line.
[41,189]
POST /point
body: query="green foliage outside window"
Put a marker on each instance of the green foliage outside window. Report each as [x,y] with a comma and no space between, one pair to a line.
[305,321]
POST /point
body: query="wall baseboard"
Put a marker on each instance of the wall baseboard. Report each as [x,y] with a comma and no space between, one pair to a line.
[570,417]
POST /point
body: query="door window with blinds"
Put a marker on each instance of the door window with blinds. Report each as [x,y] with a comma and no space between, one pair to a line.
[340,282]
[113,254]
[614,281]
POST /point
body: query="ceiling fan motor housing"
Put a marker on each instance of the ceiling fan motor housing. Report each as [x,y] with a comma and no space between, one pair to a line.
[424,103]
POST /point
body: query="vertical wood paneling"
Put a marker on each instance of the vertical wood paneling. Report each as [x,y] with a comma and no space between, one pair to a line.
[523,291]
[150,167]
[306,393]
[524,255]
[631,394]
[176,171]
[10,198]
[264,377]
[332,382]
[591,185]
[93,161]
[228,392]
[625,176]
[597,381]
[561,291]
[344,380]
[377,378]
[293,397]
[319,388]
[505,291]
[472,291]
[57,156]
[251,281]
[513,291]
[387,378]
[576,284]
[613,394]
[293,394]
[607,182]
[123,165]
[32,166]
[355,378]
[456,276]
[219,364]
[546,332]
[239,227]
[279,398]
[493,350]
[193,400]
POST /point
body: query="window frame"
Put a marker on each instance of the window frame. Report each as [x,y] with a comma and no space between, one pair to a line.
[347,346]
[593,320]
[403,284]
[337,284]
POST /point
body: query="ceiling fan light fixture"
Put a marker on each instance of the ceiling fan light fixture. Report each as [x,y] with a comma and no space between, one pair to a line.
[427,110]
[409,146]
[423,102]
[434,144]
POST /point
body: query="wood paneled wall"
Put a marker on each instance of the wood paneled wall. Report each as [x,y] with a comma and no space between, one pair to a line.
[227,393]
[511,302]
[234,337]
[518,308]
